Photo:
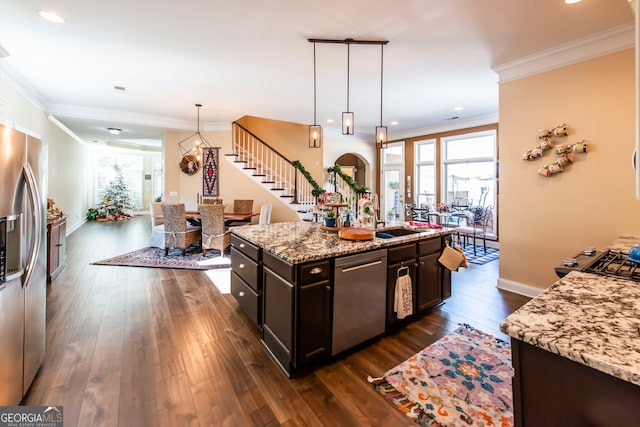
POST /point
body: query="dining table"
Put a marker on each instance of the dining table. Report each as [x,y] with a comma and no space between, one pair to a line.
[229,217]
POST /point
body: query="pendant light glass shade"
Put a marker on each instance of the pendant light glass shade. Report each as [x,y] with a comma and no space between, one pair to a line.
[315,136]
[381,137]
[347,123]
[315,130]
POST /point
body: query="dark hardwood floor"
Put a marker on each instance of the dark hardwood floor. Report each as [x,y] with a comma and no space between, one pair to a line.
[142,347]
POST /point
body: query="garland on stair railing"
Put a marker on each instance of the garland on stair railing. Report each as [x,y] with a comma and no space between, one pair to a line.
[358,189]
[317,190]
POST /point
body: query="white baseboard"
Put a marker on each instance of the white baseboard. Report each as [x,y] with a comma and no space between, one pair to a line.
[518,288]
[76,226]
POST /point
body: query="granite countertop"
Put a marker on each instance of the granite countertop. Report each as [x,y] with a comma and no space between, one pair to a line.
[591,319]
[298,242]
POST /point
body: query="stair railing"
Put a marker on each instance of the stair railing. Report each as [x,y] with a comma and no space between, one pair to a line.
[275,168]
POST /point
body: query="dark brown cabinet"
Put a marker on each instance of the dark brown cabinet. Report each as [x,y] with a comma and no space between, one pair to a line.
[56,247]
[429,288]
[314,313]
[246,277]
[297,311]
[401,260]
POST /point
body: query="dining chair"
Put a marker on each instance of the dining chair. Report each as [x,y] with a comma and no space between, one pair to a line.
[211,200]
[177,234]
[265,214]
[478,220]
[157,225]
[214,235]
[242,205]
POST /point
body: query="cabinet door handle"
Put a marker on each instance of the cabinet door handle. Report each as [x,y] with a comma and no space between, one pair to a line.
[316,270]
[241,245]
[241,294]
[328,287]
[241,266]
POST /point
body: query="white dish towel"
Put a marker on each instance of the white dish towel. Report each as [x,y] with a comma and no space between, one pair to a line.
[403,301]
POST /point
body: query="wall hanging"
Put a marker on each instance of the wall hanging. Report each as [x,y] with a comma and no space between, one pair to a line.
[210,187]
[564,152]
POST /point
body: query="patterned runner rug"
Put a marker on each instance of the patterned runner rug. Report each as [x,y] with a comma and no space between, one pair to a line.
[480,257]
[154,257]
[463,379]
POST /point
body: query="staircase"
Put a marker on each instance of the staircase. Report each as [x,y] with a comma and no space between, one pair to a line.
[272,170]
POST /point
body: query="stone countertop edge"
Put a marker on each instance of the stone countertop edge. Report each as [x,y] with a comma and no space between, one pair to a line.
[299,242]
[591,319]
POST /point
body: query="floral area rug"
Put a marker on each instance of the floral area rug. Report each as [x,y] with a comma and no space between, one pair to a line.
[463,379]
[154,257]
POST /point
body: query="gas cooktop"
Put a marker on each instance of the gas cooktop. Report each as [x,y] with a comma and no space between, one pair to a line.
[614,264]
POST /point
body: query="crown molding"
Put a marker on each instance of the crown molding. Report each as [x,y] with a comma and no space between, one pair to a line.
[65,129]
[604,43]
[457,124]
[22,86]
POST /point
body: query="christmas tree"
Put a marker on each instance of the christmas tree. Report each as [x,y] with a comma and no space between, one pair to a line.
[116,201]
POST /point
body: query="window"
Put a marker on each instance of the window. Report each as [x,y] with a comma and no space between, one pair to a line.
[392,181]
[132,169]
[468,169]
[425,185]
[158,176]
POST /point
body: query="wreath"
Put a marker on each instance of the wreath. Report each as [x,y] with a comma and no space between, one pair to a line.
[189,164]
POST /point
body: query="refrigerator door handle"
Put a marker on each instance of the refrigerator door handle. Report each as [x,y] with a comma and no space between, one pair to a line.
[34,198]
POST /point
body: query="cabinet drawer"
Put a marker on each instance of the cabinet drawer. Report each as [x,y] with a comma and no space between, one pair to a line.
[401,253]
[279,266]
[245,267]
[249,249]
[314,272]
[246,297]
[430,246]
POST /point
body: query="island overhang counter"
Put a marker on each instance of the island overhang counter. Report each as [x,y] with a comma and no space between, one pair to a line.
[576,352]
[284,276]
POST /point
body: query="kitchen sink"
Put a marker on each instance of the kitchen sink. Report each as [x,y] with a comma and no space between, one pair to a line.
[395,232]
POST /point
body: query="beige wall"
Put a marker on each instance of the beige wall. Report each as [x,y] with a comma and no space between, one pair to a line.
[544,220]
[286,138]
[67,160]
[234,184]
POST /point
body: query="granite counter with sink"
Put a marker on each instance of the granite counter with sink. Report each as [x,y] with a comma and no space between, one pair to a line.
[298,242]
[289,278]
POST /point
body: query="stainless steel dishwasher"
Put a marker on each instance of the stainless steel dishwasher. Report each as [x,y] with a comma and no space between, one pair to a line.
[359,299]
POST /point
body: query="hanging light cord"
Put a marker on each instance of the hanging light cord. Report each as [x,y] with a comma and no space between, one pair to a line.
[348,45]
[381,68]
[314,84]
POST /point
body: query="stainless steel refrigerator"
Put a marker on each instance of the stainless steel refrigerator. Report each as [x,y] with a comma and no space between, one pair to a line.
[23,257]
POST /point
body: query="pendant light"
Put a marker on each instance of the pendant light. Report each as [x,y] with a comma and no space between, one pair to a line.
[381,131]
[191,148]
[347,116]
[315,130]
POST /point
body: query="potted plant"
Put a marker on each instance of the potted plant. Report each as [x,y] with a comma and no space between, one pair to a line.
[329,219]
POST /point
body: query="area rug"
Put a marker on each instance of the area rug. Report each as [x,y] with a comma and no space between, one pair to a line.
[154,257]
[480,257]
[463,379]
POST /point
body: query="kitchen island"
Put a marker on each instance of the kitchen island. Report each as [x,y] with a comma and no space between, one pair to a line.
[576,351]
[314,294]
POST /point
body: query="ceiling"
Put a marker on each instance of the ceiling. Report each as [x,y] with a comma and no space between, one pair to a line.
[246,57]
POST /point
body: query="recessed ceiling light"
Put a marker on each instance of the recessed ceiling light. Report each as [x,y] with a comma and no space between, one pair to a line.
[460,108]
[572,1]
[51,16]
[329,120]
[394,123]
[114,131]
